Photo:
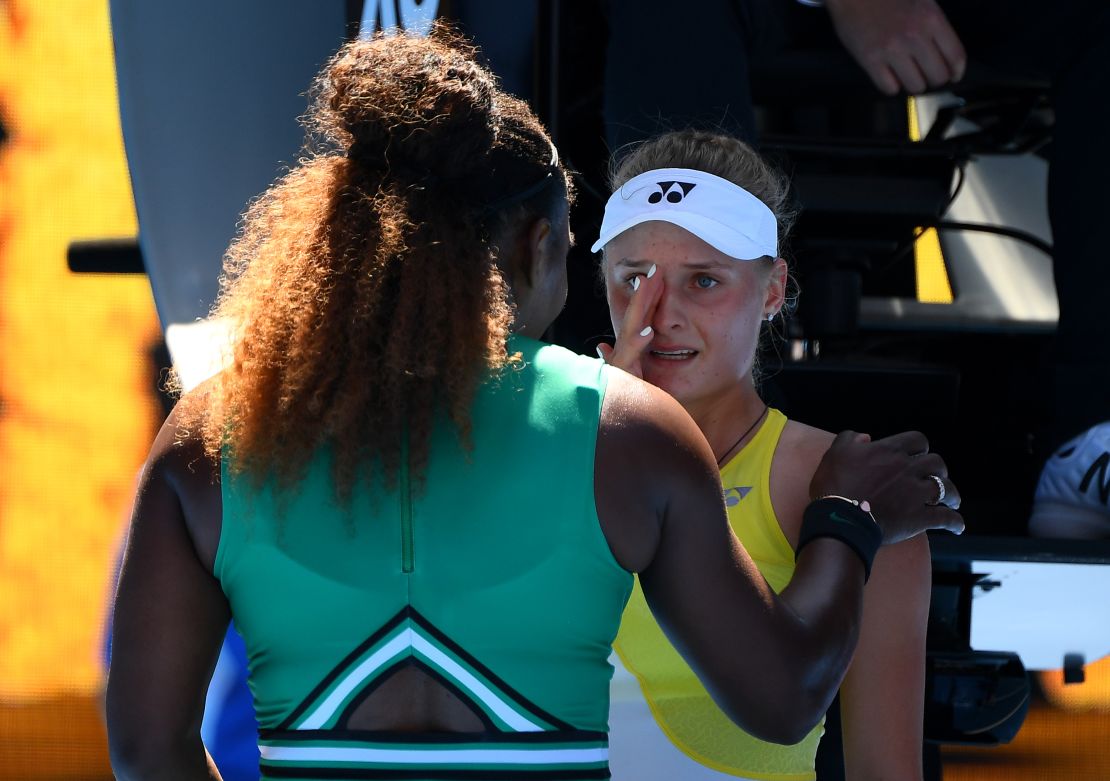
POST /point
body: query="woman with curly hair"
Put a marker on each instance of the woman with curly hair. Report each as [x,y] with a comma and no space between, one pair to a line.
[700,266]
[423,521]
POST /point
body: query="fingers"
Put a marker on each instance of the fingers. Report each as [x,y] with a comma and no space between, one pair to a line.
[949,47]
[941,517]
[848,436]
[641,304]
[926,57]
[926,67]
[924,507]
[941,492]
[921,518]
[845,437]
[952,50]
[636,332]
[912,443]
[952,497]
[938,488]
[930,464]
[934,485]
[908,73]
[883,77]
[908,486]
[935,67]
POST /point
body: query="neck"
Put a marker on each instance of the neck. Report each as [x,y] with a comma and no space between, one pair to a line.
[724,417]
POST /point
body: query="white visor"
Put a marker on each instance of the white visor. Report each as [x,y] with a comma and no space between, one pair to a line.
[720,213]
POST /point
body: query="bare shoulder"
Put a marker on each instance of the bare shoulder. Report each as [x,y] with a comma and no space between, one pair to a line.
[801,448]
[179,453]
[180,468]
[805,443]
[638,414]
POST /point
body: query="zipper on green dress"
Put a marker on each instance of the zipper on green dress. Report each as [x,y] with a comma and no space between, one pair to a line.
[407,535]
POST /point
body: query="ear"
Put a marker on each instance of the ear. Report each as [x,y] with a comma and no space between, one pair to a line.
[776,287]
[532,251]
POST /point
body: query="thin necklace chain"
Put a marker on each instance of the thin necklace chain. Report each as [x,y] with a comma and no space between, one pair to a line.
[747,431]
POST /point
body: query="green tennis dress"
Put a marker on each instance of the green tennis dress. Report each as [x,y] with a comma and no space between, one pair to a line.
[495,579]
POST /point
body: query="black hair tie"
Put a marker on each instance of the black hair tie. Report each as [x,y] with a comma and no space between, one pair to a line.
[533,189]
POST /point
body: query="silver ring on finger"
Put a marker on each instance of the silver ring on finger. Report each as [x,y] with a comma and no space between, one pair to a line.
[941,491]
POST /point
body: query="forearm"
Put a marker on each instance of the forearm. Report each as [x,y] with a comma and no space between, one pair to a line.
[824,598]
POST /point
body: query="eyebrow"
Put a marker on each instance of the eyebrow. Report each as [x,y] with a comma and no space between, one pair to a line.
[703,265]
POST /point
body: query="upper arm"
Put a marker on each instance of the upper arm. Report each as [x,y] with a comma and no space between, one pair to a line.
[883,692]
[170,616]
[800,450]
[882,699]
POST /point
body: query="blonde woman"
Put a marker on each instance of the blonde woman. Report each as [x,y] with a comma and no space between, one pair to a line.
[694,278]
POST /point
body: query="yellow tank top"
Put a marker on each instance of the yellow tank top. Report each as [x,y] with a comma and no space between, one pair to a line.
[681,706]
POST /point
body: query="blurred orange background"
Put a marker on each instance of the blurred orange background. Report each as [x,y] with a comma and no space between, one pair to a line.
[77,413]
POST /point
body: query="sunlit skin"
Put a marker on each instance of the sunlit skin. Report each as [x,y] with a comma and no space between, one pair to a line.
[708,308]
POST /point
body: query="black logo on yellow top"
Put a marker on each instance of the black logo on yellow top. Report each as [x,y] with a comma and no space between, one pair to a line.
[673,192]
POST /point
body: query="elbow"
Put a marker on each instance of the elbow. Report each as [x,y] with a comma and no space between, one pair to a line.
[129,749]
[807,711]
[789,696]
[133,759]
[789,708]
[786,718]
[137,754]
[807,689]
[126,754]
[812,695]
[790,726]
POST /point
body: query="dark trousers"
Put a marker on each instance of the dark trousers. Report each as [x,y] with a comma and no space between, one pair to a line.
[673,63]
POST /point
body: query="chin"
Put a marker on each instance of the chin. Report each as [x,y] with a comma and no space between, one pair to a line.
[674,386]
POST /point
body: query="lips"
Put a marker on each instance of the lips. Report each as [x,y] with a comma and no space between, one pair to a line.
[674,354]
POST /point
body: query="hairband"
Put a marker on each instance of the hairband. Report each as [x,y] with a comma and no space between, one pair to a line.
[528,192]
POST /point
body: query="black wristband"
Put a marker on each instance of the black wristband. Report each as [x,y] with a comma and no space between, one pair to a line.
[843,521]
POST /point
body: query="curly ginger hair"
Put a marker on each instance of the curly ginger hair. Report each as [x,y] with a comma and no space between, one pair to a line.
[363,289]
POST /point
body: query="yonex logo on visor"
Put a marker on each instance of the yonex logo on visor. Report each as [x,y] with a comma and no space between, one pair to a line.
[674,192]
[720,213]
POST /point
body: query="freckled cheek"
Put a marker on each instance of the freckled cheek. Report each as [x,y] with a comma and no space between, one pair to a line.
[737,346]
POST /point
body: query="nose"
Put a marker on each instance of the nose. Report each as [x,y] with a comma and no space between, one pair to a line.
[669,313]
